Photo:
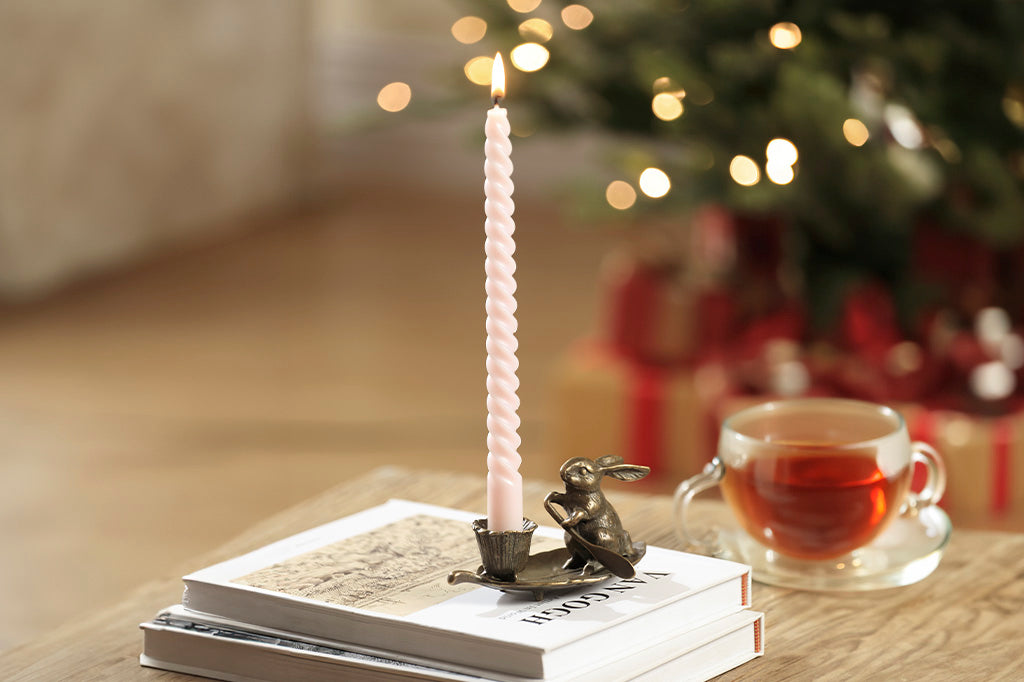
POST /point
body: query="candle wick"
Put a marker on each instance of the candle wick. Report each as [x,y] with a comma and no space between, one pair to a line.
[497,98]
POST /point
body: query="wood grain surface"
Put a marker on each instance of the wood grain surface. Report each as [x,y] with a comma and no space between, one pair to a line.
[966,621]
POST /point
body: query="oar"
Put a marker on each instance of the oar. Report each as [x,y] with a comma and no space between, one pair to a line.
[613,561]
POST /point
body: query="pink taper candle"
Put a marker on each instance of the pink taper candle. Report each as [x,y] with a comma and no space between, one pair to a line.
[504,484]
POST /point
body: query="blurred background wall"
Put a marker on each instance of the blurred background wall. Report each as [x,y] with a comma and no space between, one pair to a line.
[127,127]
[130,127]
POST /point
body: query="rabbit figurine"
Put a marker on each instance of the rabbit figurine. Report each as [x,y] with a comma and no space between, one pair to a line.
[589,514]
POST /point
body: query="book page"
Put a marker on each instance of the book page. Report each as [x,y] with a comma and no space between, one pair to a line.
[398,568]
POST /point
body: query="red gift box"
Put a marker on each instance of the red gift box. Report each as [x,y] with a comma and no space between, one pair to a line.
[984,459]
[652,415]
[649,311]
[675,361]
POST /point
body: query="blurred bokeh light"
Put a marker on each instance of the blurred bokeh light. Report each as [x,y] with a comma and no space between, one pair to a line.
[666,107]
[620,194]
[781,151]
[536,30]
[529,57]
[469,30]
[577,17]
[654,183]
[478,70]
[855,132]
[785,35]
[744,171]
[778,172]
[394,96]
[524,6]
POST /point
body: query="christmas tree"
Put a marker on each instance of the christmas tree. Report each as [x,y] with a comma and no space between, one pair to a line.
[871,130]
[870,155]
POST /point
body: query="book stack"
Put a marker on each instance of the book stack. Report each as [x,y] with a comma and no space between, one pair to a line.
[366,598]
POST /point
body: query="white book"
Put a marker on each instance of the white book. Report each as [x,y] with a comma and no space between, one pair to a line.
[378,579]
[180,641]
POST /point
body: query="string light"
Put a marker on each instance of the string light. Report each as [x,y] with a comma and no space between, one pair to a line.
[785,35]
[991,325]
[529,56]
[620,194]
[779,173]
[744,171]
[394,96]
[654,183]
[781,154]
[478,70]
[523,6]
[903,126]
[666,107]
[576,17]
[855,132]
[992,380]
[469,30]
[781,151]
[536,30]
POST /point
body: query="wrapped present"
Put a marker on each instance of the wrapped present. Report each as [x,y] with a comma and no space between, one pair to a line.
[984,458]
[682,347]
[607,403]
[649,309]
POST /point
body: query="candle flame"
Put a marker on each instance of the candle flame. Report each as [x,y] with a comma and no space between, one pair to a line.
[497,78]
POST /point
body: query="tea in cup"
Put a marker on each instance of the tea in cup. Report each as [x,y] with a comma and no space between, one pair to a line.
[816,479]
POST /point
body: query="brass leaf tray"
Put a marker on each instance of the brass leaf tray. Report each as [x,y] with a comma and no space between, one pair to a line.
[544,573]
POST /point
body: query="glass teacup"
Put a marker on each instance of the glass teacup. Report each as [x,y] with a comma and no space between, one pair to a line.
[813,483]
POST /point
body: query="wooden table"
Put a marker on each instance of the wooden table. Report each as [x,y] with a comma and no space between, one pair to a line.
[966,621]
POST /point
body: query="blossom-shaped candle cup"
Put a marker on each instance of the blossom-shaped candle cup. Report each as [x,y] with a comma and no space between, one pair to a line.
[504,553]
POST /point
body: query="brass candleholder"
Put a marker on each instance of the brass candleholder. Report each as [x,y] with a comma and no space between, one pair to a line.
[597,547]
[504,553]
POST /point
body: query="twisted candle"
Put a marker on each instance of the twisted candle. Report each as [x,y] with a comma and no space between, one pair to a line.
[504,483]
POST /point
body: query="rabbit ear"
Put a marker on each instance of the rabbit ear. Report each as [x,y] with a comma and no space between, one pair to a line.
[609,460]
[627,472]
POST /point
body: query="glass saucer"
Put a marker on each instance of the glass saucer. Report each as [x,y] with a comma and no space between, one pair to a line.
[906,552]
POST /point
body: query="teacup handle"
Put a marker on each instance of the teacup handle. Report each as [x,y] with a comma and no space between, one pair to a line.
[687,490]
[935,484]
